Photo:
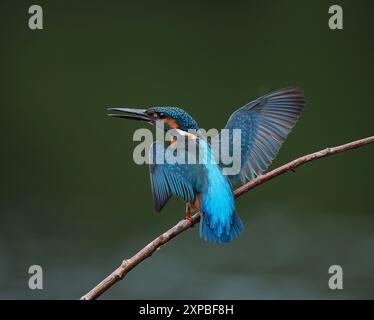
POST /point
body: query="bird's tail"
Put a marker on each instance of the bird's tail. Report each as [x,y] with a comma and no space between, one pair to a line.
[216,232]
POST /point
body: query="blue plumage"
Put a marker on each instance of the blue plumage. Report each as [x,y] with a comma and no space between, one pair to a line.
[182,118]
[264,123]
[220,223]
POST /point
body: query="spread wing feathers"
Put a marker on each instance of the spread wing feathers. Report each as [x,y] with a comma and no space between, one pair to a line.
[265,124]
[169,179]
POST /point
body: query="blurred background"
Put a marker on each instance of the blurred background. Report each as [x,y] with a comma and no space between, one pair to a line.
[73,201]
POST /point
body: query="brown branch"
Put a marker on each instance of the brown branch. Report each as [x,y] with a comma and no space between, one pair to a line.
[183,225]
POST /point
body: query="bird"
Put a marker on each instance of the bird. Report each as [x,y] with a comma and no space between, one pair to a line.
[264,125]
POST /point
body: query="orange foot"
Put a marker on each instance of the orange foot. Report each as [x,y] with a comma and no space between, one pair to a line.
[188,212]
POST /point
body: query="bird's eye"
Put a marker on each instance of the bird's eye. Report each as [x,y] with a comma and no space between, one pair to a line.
[161,115]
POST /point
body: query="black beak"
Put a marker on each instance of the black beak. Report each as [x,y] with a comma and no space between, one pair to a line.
[131,113]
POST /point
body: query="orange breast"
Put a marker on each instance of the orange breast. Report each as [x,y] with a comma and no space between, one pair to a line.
[197,202]
[171,123]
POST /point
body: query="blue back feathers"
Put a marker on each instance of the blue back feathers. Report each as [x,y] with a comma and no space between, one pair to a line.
[220,223]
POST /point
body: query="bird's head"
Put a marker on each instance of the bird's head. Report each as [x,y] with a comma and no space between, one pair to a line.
[171,117]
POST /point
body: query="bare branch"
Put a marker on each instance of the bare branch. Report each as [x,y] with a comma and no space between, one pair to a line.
[181,226]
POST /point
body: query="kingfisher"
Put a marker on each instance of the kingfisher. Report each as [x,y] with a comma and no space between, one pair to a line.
[264,125]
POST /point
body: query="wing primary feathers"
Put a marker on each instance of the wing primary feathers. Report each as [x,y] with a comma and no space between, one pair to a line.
[265,124]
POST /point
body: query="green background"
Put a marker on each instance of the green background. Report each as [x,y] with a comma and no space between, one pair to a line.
[73,201]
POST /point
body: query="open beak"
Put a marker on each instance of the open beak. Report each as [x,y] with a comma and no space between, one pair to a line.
[130,113]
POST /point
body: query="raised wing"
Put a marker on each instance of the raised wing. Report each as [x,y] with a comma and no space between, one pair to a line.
[265,124]
[167,179]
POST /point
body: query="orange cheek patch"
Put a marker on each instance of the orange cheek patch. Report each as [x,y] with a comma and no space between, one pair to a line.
[171,123]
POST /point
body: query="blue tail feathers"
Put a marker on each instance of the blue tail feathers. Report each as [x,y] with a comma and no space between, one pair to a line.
[218,233]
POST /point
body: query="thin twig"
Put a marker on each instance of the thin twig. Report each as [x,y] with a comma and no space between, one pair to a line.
[183,225]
